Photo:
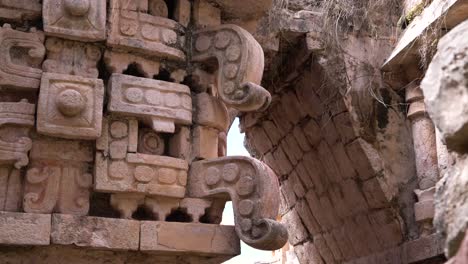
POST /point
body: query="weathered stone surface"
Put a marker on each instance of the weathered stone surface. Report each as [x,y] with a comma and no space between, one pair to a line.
[423,248]
[95,232]
[158,103]
[205,142]
[70,106]
[252,187]
[206,14]
[210,111]
[71,57]
[141,173]
[19,68]
[20,10]
[197,238]
[24,229]
[79,255]
[131,27]
[444,87]
[58,179]
[78,20]
[240,60]
[16,119]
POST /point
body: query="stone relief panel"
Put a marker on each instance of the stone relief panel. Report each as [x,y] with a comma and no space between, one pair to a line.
[70,106]
[133,25]
[71,57]
[58,178]
[78,20]
[160,104]
[21,55]
[241,62]
[20,10]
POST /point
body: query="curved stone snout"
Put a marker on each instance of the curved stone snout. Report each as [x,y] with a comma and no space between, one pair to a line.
[254,190]
[240,65]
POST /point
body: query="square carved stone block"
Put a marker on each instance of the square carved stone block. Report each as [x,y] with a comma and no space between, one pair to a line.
[78,20]
[70,106]
[159,103]
[24,229]
[199,238]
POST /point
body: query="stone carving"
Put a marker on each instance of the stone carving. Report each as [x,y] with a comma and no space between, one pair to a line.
[131,27]
[253,189]
[240,60]
[20,10]
[160,104]
[16,119]
[79,20]
[14,141]
[70,106]
[58,178]
[211,112]
[21,55]
[71,57]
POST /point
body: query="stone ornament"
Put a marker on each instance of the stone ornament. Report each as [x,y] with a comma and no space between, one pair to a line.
[21,55]
[15,121]
[70,106]
[58,180]
[253,189]
[161,104]
[20,10]
[71,57]
[132,28]
[83,20]
[241,63]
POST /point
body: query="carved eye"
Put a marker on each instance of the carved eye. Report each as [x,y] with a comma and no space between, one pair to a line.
[150,143]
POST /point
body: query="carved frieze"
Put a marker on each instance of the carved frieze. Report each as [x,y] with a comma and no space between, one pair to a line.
[71,57]
[20,10]
[161,104]
[254,191]
[21,55]
[79,20]
[119,169]
[58,178]
[70,106]
[241,62]
[133,27]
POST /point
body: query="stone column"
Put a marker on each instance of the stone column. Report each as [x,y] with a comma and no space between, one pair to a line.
[425,150]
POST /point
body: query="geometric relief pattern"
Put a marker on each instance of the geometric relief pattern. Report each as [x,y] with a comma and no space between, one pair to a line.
[70,106]
[78,20]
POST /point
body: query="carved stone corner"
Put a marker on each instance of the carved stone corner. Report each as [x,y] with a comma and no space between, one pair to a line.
[254,191]
[241,62]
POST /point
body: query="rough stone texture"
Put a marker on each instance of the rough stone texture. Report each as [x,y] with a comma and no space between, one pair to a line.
[95,232]
[444,86]
[24,229]
[197,238]
[68,254]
